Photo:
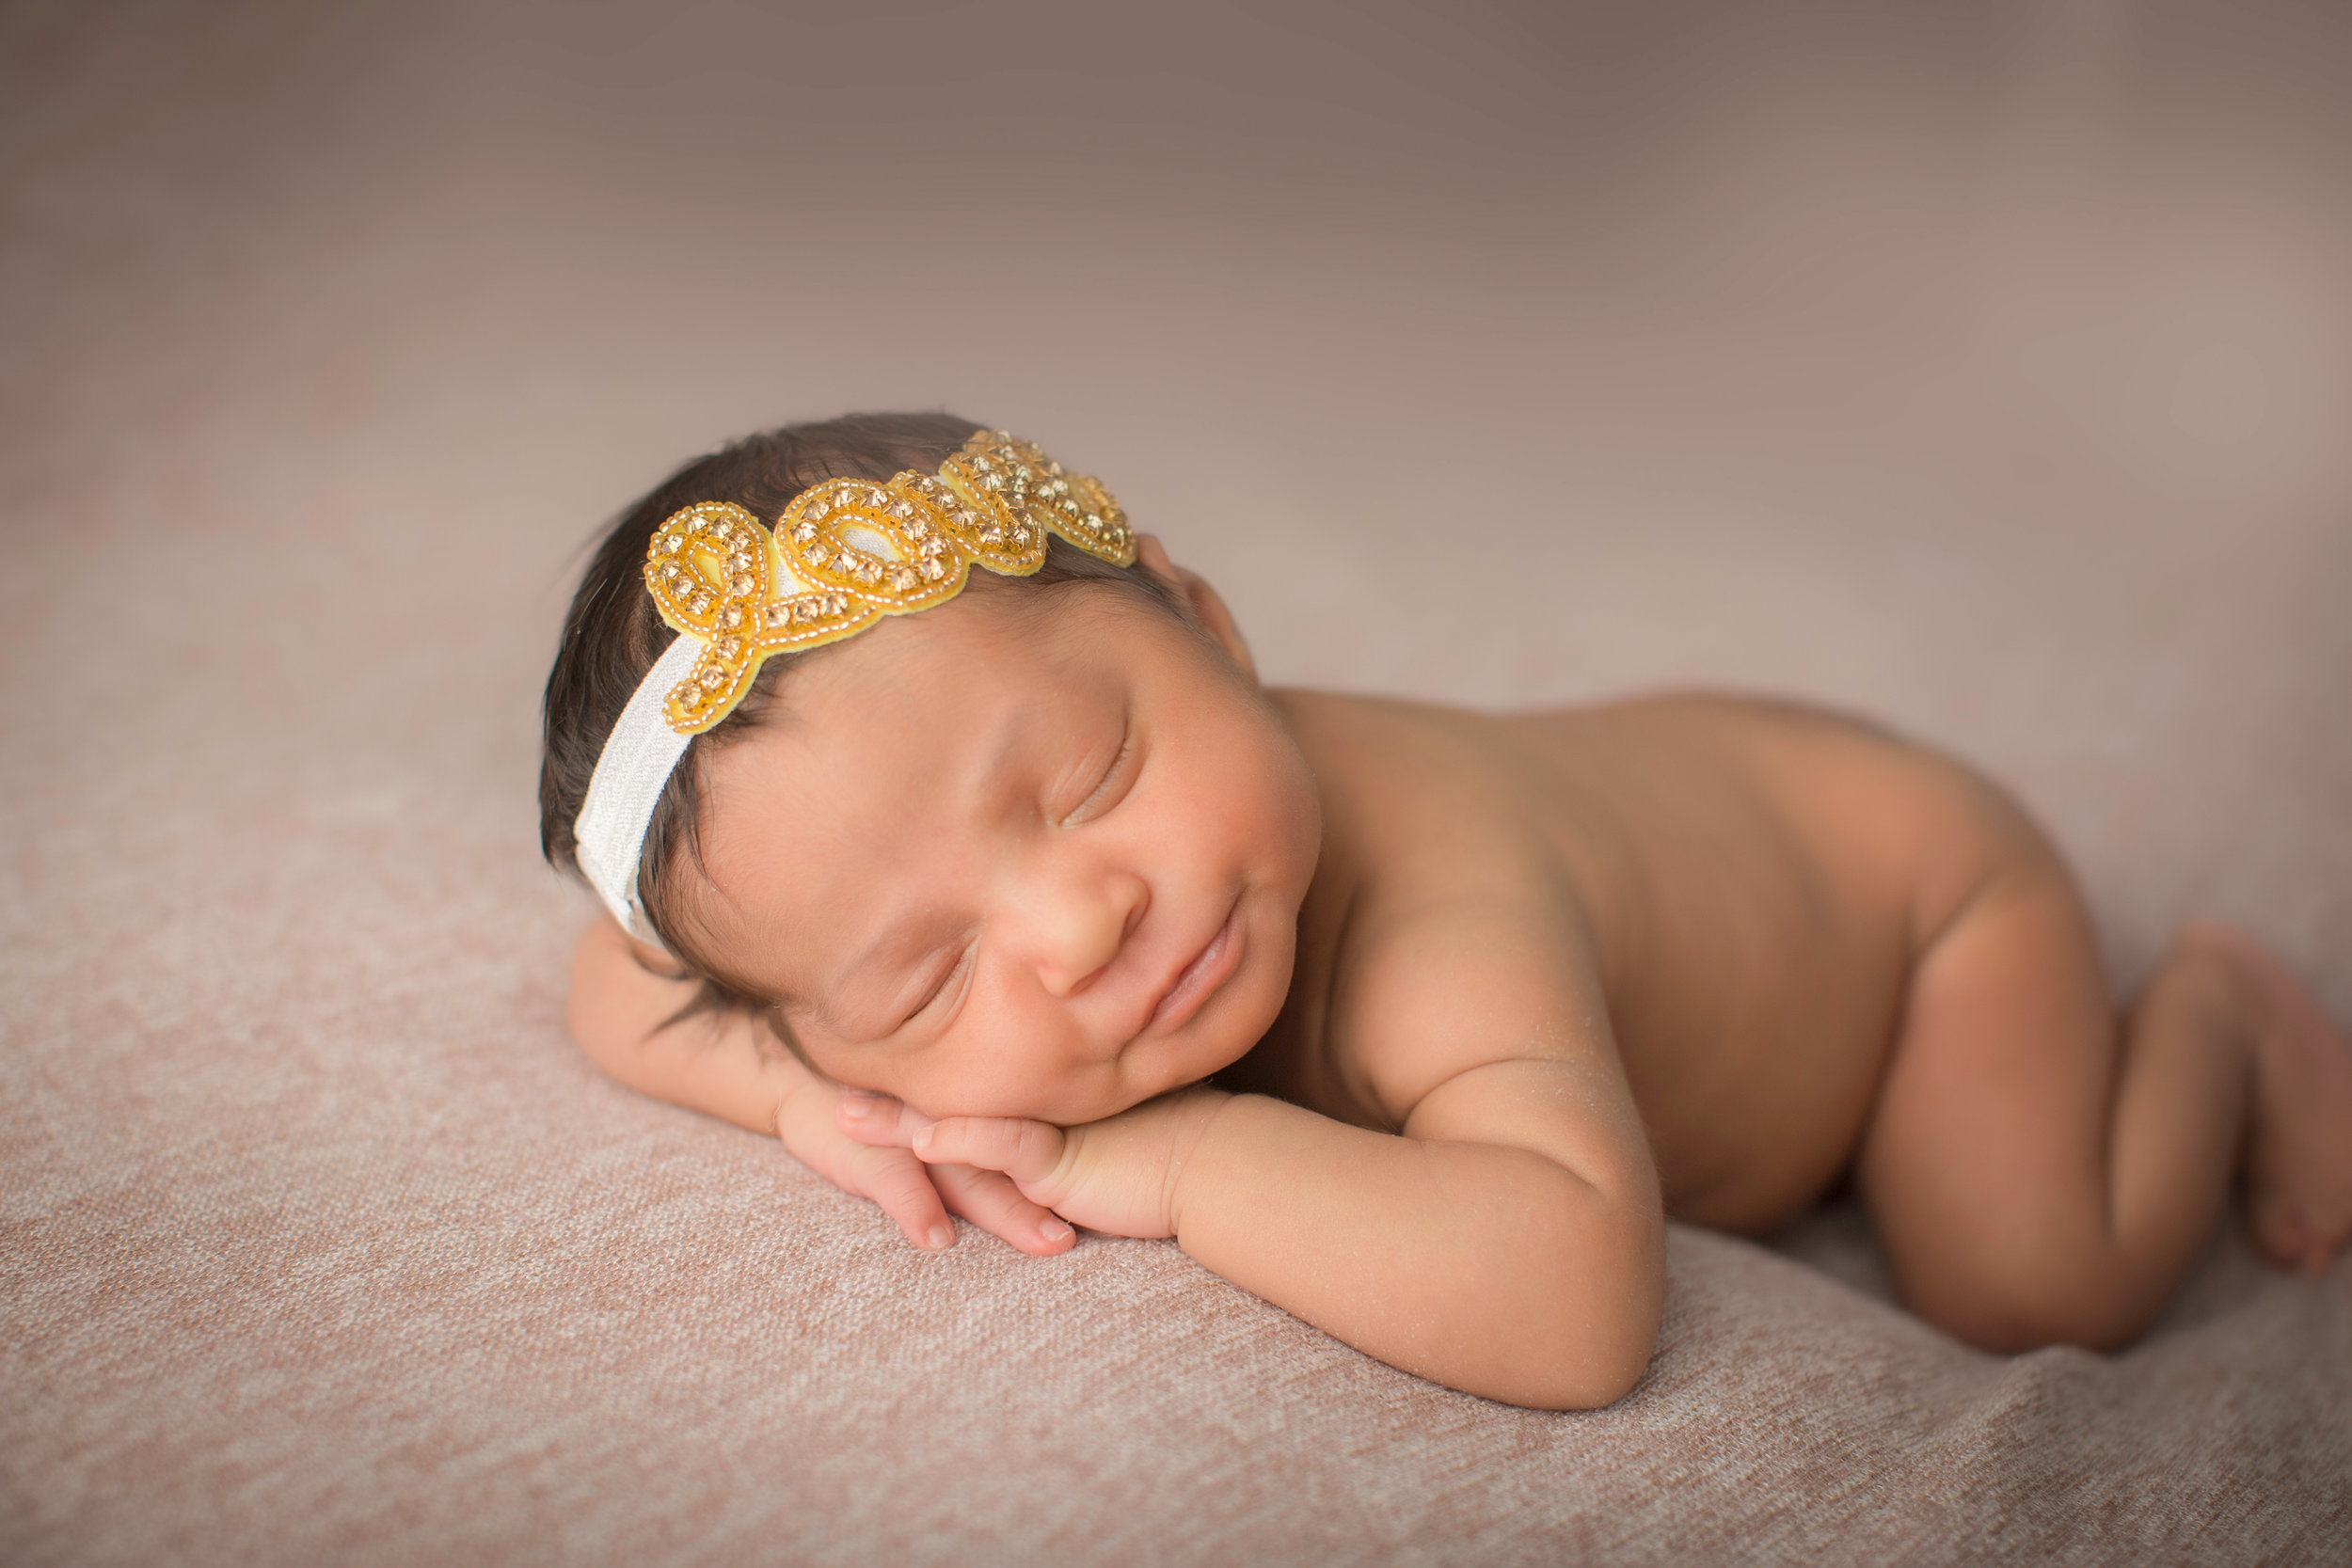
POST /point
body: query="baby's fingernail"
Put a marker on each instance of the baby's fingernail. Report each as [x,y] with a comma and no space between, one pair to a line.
[856,1106]
[1054,1230]
[941,1238]
[922,1137]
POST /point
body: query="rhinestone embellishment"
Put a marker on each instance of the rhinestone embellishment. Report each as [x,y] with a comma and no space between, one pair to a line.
[847,552]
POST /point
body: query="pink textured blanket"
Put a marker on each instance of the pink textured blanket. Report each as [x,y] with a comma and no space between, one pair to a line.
[1987,378]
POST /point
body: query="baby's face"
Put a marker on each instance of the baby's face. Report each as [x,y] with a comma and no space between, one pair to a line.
[1015,856]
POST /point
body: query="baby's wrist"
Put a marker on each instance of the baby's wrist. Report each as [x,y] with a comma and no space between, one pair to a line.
[797,1083]
[1205,1108]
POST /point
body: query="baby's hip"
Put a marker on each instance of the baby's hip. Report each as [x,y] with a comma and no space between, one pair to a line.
[1779,958]
[1896,827]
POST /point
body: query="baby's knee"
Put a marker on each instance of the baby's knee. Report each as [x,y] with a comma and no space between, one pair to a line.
[2062,1291]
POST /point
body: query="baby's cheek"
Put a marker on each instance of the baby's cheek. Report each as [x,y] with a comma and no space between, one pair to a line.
[1271,813]
[849,1076]
[962,1084]
[859,1067]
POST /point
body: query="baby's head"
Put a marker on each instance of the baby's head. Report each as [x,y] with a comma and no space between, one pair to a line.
[1038,851]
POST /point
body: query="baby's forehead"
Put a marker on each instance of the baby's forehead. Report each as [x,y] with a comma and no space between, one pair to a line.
[875,760]
[924,691]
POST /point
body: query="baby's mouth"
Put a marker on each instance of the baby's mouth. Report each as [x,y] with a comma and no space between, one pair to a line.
[1207,971]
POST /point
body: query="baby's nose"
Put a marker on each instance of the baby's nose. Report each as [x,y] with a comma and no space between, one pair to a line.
[1079,928]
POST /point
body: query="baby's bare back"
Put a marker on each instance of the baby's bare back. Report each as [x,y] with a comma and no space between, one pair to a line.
[1755,880]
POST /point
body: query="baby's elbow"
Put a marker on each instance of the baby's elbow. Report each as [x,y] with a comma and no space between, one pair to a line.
[1612,1362]
[591,1026]
[1567,1320]
[1598,1362]
[1601,1345]
[616,1004]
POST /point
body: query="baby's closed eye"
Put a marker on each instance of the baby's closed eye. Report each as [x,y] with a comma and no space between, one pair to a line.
[950,968]
[1111,785]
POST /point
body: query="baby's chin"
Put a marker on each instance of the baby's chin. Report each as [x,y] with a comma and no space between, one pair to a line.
[1085,1099]
[1076,1113]
[1195,1069]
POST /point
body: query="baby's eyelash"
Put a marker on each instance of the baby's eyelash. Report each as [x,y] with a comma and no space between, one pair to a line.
[946,982]
[1118,761]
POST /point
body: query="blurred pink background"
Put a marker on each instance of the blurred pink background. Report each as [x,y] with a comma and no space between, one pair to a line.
[1985,367]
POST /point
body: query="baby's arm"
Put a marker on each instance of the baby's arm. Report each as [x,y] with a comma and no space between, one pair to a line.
[625,1005]
[1493,1246]
[1508,1241]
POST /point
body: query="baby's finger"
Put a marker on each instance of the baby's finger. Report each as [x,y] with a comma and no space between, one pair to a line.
[903,1185]
[1025,1150]
[878,1119]
[990,1201]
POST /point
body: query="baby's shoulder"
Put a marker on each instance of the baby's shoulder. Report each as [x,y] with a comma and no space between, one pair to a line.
[1389,767]
[1431,815]
[1440,935]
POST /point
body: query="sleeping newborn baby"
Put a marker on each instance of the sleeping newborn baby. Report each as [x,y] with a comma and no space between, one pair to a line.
[948,835]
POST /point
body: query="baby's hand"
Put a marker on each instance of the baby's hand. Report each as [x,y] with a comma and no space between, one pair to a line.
[625,1012]
[917,1194]
[1117,1175]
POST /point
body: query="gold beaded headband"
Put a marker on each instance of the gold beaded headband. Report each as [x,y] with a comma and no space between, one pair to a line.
[843,555]
[847,552]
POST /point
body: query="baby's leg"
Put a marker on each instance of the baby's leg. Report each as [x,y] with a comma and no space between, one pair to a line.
[2039,1175]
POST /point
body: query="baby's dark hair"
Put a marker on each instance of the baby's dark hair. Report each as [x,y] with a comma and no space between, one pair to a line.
[614,634]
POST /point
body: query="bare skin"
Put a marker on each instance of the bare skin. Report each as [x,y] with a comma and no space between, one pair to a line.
[1417,1023]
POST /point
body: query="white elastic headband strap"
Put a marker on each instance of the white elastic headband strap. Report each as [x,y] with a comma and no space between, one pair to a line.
[631,771]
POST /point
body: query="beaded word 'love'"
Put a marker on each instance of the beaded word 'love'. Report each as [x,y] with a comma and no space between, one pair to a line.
[847,552]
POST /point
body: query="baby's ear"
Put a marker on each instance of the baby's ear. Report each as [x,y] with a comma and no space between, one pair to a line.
[1206,601]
